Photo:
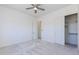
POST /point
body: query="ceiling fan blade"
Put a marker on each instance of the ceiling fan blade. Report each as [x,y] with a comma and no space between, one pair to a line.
[41,8]
[30,8]
[35,11]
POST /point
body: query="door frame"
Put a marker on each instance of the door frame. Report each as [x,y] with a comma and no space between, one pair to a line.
[39,27]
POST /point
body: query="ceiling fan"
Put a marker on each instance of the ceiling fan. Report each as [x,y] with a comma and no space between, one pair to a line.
[36,8]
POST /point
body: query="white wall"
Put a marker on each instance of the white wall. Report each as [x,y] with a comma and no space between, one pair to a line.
[53,24]
[15,26]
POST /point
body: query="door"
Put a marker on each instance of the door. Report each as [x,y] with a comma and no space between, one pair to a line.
[34,30]
[71,29]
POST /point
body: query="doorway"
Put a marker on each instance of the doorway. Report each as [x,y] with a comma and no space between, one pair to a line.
[39,30]
[71,33]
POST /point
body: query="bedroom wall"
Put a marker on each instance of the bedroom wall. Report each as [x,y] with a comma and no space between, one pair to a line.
[15,26]
[53,24]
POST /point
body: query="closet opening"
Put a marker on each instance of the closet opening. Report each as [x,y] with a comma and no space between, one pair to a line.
[71,33]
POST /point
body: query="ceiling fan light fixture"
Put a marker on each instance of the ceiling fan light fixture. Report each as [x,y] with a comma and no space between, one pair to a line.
[35,8]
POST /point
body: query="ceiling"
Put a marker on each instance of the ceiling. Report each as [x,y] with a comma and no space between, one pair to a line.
[48,8]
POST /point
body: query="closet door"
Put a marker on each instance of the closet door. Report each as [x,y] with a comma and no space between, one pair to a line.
[72,30]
